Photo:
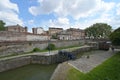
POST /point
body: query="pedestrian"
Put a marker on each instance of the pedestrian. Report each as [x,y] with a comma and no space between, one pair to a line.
[112,48]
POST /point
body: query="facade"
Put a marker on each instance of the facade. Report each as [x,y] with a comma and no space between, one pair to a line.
[54,30]
[16,28]
[71,34]
[64,35]
[38,30]
[76,33]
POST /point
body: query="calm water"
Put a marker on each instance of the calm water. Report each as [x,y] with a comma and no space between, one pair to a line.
[29,72]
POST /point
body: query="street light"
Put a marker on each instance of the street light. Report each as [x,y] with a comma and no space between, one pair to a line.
[49,39]
[49,46]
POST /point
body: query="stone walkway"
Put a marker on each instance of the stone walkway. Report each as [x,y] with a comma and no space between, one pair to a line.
[85,64]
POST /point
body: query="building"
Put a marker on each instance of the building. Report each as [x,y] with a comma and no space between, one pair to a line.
[38,30]
[64,35]
[53,30]
[76,33]
[71,34]
[16,28]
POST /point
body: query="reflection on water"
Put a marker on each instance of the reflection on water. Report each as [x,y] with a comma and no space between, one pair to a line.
[29,72]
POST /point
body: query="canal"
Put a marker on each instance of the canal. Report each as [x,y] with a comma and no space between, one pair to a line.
[29,72]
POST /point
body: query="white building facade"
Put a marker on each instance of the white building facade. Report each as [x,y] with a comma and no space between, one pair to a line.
[38,30]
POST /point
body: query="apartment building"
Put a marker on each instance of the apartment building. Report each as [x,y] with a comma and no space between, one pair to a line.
[16,28]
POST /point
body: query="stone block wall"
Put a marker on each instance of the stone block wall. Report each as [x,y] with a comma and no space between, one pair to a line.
[7,64]
[14,62]
[33,37]
[10,48]
[44,59]
[82,49]
[12,36]
[21,36]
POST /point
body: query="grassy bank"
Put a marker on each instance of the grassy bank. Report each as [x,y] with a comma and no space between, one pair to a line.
[108,70]
[45,50]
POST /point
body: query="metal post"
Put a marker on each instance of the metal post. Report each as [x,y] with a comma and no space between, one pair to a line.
[49,46]
[48,39]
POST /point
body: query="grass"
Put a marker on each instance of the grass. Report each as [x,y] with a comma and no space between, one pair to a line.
[108,70]
[45,50]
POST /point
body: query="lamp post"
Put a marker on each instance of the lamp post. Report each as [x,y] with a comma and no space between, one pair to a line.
[49,45]
[49,39]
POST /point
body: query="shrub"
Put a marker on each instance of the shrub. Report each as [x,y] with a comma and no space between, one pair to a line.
[50,47]
[115,37]
[36,50]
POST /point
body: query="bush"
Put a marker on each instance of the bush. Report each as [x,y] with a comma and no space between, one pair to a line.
[50,47]
[36,50]
[115,37]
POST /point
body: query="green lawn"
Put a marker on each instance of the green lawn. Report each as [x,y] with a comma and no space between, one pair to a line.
[108,70]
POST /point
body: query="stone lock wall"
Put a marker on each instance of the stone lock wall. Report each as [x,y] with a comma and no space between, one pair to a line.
[7,64]
[9,48]
[44,59]
[14,62]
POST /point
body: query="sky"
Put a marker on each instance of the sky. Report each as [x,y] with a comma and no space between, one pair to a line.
[60,13]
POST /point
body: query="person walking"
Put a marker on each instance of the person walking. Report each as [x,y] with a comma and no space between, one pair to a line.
[112,48]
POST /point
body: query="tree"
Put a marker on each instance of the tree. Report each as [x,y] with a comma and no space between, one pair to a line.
[98,30]
[51,46]
[115,37]
[2,25]
[54,36]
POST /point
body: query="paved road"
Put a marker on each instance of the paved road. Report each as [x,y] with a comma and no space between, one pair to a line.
[85,64]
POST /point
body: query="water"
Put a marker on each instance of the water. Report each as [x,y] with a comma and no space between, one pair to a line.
[29,72]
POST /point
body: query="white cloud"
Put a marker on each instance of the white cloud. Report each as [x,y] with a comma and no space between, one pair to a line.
[45,7]
[97,10]
[6,4]
[9,12]
[60,22]
[118,9]
[63,21]
[74,8]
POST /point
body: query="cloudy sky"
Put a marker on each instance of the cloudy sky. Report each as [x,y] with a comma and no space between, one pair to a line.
[60,13]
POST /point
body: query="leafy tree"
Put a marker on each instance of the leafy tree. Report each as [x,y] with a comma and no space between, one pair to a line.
[98,30]
[50,46]
[115,37]
[54,36]
[2,25]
